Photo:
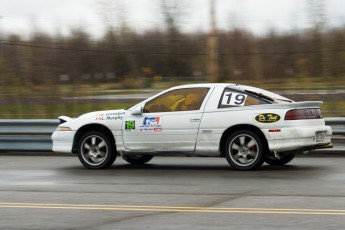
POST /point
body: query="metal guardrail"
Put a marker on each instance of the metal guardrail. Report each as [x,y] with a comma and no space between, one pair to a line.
[27,135]
[35,135]
[337,124]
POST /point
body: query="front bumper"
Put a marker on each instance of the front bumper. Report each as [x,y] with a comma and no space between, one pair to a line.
[63,141]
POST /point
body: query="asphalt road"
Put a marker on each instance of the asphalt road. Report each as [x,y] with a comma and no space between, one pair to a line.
[56,192]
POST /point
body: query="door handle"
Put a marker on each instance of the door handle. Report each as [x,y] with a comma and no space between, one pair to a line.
[195,120]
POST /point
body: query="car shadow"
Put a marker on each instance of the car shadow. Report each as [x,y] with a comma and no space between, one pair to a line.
[194,167]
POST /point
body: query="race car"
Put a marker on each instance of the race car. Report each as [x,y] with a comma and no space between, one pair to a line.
[246,125]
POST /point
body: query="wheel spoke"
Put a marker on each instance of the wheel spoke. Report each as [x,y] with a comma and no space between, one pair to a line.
[87,146]
[93,159]
[88,155]
[102,144]
[102,154]
[251,143]
[93,140]
[242,140]
[238,156]
[252,154]
[248,159]
[234,146]
[242,159]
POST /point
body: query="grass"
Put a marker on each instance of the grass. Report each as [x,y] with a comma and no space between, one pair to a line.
[333,108]
[44,101]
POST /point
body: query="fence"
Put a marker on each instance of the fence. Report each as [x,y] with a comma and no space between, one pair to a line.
[35,135]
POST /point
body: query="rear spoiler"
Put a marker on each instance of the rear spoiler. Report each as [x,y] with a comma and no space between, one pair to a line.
[307,104]
[292,105]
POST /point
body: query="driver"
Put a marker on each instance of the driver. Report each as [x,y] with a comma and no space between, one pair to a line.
[191,102]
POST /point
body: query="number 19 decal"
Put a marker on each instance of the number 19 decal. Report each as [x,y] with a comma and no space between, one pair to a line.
[129,125]
[234,99]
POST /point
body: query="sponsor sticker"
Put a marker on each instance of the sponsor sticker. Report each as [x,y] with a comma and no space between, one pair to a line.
[151,124]
[267,117]
[109,116]
[151,121]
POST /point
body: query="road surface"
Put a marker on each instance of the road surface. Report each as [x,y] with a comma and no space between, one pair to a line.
[56,192]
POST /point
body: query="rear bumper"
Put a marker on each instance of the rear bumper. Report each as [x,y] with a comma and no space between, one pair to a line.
[292,138]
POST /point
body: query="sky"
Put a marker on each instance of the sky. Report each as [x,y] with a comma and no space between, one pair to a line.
[258,16]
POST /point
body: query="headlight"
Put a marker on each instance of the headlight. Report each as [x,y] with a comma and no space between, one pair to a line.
[62,128]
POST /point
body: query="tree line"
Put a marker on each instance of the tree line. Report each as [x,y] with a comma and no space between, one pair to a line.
[165,55]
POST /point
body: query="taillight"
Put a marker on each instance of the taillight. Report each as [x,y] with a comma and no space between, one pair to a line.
[302,114]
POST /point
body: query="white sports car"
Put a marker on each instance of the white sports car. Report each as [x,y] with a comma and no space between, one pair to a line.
[246,125]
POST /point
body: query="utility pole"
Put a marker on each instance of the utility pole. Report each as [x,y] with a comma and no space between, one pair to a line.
[212,67]
[318,19]
[2,37]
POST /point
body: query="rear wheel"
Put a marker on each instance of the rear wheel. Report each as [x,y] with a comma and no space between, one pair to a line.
[282,161]
[96,151]
[138,159]
[244,150]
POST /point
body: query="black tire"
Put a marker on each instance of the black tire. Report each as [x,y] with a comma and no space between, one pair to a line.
[244,150]
[96,151]
[138,159]
[282,161]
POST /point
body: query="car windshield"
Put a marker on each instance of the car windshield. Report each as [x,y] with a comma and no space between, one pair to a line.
[270,96]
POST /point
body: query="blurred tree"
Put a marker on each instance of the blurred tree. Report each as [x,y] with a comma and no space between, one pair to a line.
[176,66]
[170,52]
[336,60]
[114,14]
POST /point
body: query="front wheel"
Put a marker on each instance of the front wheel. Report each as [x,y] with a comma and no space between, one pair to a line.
[244,150]
[96,151]
[138,159]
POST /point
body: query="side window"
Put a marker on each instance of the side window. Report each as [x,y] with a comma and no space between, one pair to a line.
[232,98]
[177,100]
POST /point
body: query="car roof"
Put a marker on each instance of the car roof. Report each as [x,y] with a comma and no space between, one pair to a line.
[204,85]
[278,98]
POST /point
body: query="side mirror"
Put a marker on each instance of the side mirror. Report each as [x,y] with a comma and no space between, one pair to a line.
[137,111]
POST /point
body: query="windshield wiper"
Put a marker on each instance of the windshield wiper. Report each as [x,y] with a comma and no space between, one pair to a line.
[260,95]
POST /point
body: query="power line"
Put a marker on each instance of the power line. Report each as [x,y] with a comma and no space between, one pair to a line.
[170,53]
[102,51]
[228,42]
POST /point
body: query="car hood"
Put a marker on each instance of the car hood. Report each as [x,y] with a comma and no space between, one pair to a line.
[106,117]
